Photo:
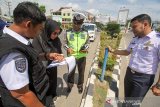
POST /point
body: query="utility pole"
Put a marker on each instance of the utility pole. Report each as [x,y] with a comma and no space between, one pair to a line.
[0,11]
[9,7]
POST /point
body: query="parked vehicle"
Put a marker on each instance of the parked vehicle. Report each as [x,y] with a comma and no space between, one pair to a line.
[2,25]
[92,30]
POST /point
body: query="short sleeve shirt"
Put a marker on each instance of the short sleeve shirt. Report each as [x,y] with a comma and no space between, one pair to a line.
[145,53]
[14,66]
[14,71]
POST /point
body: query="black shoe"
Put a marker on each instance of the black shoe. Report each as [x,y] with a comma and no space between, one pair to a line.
[69,89]
[70,85]
[80,90]
[52,104]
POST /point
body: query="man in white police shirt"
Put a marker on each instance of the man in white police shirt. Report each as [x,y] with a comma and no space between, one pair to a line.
[144,60]
[23,79]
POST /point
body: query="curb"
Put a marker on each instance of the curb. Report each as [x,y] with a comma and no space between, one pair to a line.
[113,89]
[87,99]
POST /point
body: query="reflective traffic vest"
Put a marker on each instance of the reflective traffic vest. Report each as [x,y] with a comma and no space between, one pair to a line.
[76,40]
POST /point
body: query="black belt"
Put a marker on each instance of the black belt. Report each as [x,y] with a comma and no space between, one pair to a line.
[135,72]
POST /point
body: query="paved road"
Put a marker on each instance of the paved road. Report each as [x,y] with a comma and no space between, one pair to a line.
[150,100]
[73,99]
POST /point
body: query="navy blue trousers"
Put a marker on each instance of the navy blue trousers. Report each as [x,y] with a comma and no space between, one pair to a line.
[136,85]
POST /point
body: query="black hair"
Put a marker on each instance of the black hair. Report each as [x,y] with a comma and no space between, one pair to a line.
[142,17]
[28,11]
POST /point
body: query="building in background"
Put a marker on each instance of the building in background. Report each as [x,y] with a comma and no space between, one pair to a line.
[156,25]
[102,18]
[90,18]
[122,17]
[65,16]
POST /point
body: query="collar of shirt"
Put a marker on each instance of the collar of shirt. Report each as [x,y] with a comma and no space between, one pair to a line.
[151,34]
[16,36]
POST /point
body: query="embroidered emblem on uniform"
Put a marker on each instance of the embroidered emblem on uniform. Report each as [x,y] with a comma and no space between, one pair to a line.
[20,65]
[82,36]
[148,43]
[71,37]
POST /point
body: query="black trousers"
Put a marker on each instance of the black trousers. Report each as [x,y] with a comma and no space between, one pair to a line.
[52,73]
[1,102]
[81,63]
[136,85]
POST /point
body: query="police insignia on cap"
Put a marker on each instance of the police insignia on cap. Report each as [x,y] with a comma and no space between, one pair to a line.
[20,65]
[78,17]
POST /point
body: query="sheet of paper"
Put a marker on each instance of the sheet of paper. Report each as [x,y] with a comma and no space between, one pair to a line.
[70,61]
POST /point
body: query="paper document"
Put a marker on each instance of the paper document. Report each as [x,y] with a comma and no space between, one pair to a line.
[70,61]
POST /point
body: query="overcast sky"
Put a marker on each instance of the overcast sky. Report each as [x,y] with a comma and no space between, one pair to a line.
[109,7]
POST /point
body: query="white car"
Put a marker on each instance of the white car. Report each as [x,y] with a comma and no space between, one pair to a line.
[92,30]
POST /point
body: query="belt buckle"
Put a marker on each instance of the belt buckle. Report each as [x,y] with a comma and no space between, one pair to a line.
[133,71]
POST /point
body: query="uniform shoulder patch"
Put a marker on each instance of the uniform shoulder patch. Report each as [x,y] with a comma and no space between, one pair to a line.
[20,63]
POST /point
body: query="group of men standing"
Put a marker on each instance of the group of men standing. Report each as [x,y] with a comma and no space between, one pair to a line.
[24,81]
[23,78]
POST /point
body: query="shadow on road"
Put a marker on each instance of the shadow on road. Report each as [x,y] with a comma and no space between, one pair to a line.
[112,84]
[61,88]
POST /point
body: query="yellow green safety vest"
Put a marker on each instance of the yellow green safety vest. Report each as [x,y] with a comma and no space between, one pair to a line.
[76,40]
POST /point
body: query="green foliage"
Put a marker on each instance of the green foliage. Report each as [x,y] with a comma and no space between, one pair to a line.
[113,29]
[106,41]
[99,25]
[110,63]
[42,8]
[158,29]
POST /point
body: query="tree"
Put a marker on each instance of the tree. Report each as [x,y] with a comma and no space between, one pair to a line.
[158,29]
[100,26]
[42,8]
[113,28]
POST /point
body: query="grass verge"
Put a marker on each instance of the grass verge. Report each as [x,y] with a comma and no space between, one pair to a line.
[100,88]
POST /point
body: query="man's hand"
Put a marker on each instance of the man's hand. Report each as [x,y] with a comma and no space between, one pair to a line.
[84,51]
[110,49]
[55,56]
[70,51]
[155,90]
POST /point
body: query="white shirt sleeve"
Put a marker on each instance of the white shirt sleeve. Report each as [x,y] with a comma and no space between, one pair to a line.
[14,71]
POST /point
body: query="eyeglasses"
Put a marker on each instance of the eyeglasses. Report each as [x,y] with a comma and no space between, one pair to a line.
[55,33]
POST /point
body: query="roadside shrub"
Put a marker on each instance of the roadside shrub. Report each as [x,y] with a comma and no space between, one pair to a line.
[113,29]
[106,41]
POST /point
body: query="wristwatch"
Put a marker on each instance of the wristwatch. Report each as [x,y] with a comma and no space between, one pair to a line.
[158,85]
